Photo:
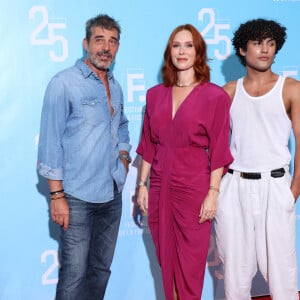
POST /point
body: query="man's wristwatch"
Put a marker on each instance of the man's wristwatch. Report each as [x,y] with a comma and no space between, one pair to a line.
[126,156]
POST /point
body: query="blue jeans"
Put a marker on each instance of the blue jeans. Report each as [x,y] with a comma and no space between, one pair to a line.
[87,249]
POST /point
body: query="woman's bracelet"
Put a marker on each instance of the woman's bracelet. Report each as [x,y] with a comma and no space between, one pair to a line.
[141,183]
[56,192]
[214,189]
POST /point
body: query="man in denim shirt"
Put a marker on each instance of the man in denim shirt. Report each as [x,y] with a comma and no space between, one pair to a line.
[84,153]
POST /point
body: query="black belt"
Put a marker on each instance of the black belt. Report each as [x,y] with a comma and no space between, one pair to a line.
[274,173]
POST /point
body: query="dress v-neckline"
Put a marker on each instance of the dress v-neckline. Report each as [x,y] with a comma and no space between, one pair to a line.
[183,101]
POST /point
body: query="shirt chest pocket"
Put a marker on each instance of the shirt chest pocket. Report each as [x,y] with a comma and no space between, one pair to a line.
[93,110]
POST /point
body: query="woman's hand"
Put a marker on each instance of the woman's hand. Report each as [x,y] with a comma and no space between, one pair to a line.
[209,207]
[142,199]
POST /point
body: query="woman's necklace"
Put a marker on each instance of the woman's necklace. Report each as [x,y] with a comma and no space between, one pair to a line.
[185,85]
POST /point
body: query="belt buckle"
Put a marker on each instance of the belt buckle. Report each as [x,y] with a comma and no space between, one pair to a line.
[278,173]
[252,176]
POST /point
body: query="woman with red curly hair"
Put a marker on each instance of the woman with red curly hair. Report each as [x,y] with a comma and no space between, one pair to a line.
[185,150]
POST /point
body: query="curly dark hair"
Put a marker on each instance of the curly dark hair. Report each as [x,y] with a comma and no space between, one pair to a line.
[258,30]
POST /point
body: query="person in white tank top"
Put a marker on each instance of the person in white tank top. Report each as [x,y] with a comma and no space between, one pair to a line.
[255,219]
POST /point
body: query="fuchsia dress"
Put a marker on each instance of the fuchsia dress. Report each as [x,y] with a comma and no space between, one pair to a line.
[182,152]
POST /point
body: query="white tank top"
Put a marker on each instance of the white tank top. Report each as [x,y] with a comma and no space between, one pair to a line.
[260,129]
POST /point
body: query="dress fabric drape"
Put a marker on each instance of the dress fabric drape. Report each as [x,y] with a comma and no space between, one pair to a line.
[182,152]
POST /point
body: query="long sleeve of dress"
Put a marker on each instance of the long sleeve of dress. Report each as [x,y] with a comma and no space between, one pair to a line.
[146,147]
[218,133]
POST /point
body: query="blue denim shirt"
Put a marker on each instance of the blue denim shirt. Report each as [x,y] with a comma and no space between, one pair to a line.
[79,140]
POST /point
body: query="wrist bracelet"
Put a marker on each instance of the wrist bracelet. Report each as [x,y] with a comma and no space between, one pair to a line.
[126,156]
[214,189]
[56,192]
[54,199]
[141,183]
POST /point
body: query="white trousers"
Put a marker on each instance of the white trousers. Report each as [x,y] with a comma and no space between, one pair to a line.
[255,227]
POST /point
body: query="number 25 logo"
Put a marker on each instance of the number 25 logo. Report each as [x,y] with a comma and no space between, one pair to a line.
[50,276]
[217,36]
[51,38]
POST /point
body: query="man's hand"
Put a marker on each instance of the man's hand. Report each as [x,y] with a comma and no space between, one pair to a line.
[60,212]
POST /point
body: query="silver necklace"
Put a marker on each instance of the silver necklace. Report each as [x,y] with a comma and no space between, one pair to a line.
[185,85]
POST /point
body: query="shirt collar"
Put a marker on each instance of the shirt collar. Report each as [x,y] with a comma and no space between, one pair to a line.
[86,71]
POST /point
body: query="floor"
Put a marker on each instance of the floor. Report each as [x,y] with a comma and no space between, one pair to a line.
[266,298]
